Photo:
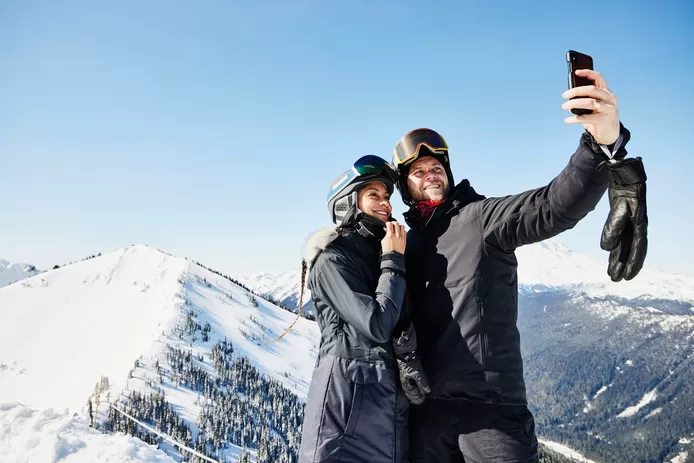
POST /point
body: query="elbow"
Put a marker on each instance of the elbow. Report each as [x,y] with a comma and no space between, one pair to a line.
[379,333]
[382,328]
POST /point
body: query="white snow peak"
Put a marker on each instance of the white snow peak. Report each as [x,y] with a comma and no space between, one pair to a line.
[72,325]
[550,264]
[13,272]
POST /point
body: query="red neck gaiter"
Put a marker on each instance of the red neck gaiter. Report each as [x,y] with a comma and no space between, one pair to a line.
[426,208]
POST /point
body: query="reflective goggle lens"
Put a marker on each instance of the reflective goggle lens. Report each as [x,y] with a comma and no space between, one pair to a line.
[369,165]
[408,147]
[373,165]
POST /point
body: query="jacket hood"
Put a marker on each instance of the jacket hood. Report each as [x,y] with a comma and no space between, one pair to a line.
[464,194]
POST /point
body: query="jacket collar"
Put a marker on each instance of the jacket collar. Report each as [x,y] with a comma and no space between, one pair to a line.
[463,194]
[317,242]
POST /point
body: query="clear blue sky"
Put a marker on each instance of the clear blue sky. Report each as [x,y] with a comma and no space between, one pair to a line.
[213,129]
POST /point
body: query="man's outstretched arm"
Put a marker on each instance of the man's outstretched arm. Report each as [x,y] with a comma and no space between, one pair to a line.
[542,213]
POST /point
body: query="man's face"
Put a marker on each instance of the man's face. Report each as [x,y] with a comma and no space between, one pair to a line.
[427,180]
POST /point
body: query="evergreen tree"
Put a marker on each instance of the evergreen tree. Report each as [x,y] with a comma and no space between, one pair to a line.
[90,412]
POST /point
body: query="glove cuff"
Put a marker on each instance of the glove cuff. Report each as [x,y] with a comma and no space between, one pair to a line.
[626,171]
[394,262]
[405,345]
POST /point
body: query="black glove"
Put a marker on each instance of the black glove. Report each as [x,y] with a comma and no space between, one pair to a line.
[625,233]
[412,376]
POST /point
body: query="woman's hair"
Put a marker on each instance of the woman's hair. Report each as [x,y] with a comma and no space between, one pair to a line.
[298,313]
[303,283]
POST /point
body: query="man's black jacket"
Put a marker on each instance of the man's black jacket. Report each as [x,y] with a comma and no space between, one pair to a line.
[462,275]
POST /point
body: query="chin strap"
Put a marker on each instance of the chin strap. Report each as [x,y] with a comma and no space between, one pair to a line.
[370,227]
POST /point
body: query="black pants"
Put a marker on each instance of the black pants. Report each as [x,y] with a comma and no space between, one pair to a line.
[460,431]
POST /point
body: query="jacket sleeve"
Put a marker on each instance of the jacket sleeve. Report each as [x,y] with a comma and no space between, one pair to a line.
[542,213]
[373,315]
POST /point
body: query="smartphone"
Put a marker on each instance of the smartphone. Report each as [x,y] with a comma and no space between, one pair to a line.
[576,60]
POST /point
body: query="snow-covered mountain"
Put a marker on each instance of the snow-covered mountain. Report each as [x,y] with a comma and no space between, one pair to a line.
[544,266]
[283,287]
[549,265]
[188,351]
[13,272]
[131,316]
[610,377]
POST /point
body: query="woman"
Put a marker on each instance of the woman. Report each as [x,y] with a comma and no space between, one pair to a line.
[355,409]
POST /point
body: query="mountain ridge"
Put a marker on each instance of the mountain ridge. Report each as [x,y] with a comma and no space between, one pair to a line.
[545,266]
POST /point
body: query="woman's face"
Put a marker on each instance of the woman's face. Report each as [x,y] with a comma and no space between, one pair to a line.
[375,201]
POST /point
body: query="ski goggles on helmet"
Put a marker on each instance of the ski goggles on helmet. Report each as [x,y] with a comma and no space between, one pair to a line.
[366,167]
[407,149]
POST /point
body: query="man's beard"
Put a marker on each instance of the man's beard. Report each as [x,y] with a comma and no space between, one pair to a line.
[422,196]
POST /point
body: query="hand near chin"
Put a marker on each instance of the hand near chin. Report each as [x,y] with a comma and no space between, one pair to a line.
[395,239]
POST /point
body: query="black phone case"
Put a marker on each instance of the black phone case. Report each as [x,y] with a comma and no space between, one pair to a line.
[576,60]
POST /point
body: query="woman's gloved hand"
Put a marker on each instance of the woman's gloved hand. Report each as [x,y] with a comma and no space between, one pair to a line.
[414,380]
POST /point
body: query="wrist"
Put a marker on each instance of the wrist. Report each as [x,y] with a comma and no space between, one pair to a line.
[393,261]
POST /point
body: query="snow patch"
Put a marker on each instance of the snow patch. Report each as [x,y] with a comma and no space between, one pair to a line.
[600,391]
[654,412]
[50,436]
[631,411]
[565,451]
[684,440]
[681,458]
[588,406]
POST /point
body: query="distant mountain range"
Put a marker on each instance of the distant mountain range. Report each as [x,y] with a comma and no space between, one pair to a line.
[13,272]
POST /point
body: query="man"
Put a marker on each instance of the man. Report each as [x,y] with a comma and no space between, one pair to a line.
[462,280]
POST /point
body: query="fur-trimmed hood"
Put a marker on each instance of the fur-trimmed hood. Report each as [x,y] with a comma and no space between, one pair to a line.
[317,242]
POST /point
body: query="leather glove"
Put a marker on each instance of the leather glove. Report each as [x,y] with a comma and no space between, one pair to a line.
[625,234]
[413,378]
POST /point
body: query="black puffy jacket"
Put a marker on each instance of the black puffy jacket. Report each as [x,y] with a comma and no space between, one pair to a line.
[461,273]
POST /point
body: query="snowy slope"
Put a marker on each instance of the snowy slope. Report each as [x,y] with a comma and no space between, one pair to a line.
[50,436]
[283,288]
[71,325]
[544,266]
[294,353]
[64,329]
[13,272]
[561,449]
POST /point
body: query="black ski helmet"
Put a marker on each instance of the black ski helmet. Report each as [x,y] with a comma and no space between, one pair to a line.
[343,194]
[413,145]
